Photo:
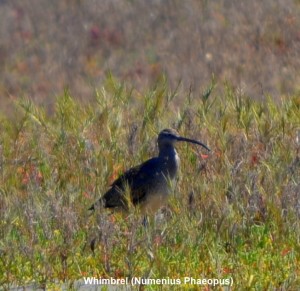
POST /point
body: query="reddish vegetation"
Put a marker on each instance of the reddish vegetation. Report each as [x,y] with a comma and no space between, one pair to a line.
[47,46]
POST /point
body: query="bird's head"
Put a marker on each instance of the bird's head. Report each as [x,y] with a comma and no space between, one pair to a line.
[168,137]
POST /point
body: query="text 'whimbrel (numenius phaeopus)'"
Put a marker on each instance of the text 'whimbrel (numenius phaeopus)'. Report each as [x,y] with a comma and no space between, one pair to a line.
[148,183]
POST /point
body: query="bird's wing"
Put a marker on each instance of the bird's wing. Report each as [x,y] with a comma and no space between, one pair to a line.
[115,197]
[139,179]
[126,177]
[145,180]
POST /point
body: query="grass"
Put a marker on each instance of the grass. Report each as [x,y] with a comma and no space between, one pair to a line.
[138,41]
[234,214]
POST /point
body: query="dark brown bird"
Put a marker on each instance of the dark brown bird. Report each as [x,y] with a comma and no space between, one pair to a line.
[148,183]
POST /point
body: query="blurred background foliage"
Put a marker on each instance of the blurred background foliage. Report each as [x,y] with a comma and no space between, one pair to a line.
[46,46]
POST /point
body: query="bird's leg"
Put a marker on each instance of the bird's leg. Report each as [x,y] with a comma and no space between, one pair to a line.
[145,221]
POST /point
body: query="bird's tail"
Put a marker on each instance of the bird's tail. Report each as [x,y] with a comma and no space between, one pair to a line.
[97,204]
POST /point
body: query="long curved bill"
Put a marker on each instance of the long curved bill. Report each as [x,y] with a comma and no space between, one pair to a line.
[180,138]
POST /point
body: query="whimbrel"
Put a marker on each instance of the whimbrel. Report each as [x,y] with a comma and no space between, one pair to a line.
[148,183]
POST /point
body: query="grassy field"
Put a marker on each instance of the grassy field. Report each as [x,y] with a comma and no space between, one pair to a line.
[234,213]
[139,40]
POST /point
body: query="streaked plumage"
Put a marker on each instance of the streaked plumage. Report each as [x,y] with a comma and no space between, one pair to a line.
[148,183]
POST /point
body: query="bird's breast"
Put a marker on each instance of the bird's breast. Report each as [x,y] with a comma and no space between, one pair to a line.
[170,165]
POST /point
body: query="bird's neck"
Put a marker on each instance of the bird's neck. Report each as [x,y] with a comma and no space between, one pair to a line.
[167,152]
[170,160]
